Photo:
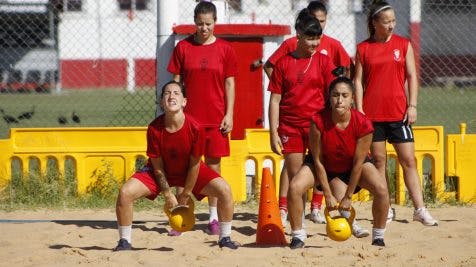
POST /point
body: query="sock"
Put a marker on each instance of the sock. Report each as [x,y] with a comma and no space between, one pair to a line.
[225,229]
[283,203]
[377,233]
[125,232]
[345,213]
[301,234]
[316,201]
[213,213]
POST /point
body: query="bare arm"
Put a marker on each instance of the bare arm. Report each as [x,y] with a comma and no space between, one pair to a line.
[412,79]
[273,116]
[315,145]
[361,150]
[161,180]
[177,77]
[358,82]
[268,69]
[192,174]
[227,122]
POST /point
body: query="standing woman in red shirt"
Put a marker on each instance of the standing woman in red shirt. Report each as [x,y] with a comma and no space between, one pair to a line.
[298,87]
[339,140]
[207,65]
[384,63]
[335,51]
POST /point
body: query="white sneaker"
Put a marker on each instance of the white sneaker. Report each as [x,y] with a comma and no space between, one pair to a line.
[284,217]
[391,215]
[358,231]
[422,215]
[317,217]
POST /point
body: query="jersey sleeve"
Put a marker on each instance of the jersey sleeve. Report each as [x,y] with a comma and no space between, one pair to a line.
[231,62]
[317,119]
[277,79]
[282,50]
[342,58]
[153,142]
[176,63]
[328,67]
[365,125]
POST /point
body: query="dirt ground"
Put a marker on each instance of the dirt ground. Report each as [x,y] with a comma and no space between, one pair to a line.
[79,237]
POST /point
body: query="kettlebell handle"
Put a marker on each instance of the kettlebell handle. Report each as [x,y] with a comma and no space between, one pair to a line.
[350,219]
[190,204]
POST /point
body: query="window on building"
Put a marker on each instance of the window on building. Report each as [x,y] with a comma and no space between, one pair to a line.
[139,4]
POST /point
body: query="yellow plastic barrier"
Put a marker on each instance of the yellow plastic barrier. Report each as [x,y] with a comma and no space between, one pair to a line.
[461,163]
[429,141]
[120,147]
[90,149]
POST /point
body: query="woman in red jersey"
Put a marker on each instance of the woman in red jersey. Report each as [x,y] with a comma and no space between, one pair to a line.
[175,144]
[327,46]
[207,65]
[298,87]
[340,139]
[385,62]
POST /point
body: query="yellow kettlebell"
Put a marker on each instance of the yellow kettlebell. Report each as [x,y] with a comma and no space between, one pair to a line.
[339,228]
[182,218]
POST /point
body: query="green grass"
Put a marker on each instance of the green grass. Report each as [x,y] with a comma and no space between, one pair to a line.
[117,107]
[101,107]
[51,190]
[448,107]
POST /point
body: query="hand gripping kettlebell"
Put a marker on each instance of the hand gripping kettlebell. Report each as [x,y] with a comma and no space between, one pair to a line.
[181,218]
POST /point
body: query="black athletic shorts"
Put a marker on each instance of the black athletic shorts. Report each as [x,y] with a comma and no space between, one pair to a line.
[394,132]
[344,177]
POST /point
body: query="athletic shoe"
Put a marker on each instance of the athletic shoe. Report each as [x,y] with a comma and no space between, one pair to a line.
[284,217]
[317,217]
[391,215]
[296,243]
[123,245]
[358,231]
[227,243]
[174,233]
[213,228]
[422,215]
[378,242]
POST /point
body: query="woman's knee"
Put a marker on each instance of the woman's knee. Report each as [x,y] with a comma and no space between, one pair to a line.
[222,189]
[125,195]
[380,190]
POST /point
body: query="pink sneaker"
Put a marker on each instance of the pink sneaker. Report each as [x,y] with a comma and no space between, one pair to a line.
[213,228]
[174,233]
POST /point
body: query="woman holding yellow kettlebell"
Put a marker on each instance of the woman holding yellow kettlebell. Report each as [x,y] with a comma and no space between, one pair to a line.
[339,139]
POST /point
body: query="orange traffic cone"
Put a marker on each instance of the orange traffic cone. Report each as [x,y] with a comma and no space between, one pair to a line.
[270,229]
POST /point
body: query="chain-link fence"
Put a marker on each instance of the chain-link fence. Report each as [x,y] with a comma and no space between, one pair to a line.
[69,63]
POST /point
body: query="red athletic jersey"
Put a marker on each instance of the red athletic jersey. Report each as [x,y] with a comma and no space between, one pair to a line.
[384,78]
[337,145]
[328,46]
[303,85]
[175,148]
[204,69]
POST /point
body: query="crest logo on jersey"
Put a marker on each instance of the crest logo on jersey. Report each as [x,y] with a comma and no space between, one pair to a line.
[396,54]
[203,64]
[324,52]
